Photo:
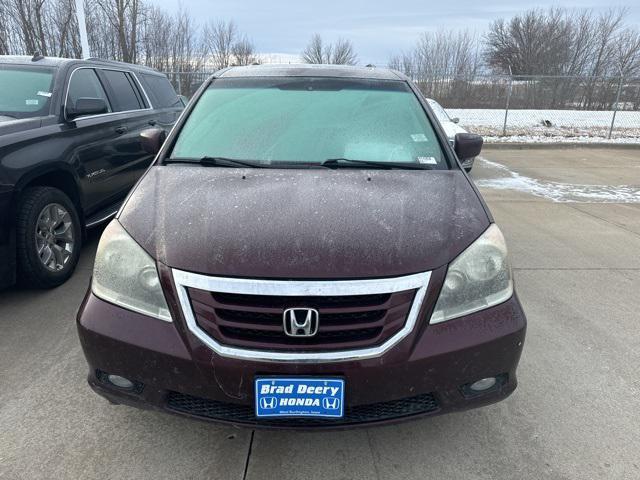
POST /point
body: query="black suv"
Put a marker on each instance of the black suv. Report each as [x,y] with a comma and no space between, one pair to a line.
[70,150]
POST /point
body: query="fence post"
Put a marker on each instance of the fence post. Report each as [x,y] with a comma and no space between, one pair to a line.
[506,109]
[615,107]
[179,82]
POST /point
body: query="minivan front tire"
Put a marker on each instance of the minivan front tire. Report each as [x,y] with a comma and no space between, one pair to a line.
[48,237]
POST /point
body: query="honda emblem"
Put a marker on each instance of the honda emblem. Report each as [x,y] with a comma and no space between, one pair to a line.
[301,322]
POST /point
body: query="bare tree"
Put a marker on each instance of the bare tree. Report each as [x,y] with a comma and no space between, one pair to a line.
[626,55]
[118,37]
[6,29]
[124,17]
[442,63]
[244,52]
[45,26]
[555,42]
[447,53]
[30,17]
[607,28]
[534,42]
[102,34]
[125,30]
[189,51]
[405,63]
[159,35]
[564,43]
[315,51]
[65,40]
[219,38]
[342,53]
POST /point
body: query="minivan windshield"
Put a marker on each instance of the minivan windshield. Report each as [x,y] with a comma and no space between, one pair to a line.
[299,121]
[25,91]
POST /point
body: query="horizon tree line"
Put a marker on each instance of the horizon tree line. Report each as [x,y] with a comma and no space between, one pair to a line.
[554,42]
[584,46]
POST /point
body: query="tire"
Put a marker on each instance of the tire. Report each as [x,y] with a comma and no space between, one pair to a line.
[46,255]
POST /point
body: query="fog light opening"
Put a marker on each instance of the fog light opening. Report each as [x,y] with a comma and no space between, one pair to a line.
[483,384]
[120,382]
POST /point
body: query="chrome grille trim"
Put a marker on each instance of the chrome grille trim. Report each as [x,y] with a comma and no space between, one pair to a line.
[184,280]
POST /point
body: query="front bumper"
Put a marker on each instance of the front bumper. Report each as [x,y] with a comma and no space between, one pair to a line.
[423,375]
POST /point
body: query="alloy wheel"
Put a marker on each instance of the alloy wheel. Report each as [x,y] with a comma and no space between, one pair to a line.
[54,236]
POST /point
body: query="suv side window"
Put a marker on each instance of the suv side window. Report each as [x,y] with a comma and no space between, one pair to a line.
[124,92]
[84,83]
[160,91]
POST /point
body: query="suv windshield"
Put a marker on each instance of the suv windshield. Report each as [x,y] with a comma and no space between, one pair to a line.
[25,91]
[309,120]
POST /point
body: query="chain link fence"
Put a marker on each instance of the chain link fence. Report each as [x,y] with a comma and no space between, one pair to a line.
[541,106]
[508,108]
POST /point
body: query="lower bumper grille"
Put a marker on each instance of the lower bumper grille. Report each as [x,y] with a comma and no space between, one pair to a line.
[244,414]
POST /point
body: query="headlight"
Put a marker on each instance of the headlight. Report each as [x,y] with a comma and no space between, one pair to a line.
[126,275]
[478,278]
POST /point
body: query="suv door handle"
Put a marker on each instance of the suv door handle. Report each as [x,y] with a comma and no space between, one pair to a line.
[121,130]
[152,123]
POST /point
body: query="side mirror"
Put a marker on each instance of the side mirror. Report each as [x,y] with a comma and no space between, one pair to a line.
[467,145]
[152,139]
[455,120]
[86,106]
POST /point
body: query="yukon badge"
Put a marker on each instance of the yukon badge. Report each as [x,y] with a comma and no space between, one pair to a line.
[301,322]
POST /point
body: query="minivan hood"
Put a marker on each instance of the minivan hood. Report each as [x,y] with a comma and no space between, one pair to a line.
[303,223]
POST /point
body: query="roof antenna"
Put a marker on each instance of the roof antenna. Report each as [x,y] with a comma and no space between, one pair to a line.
[37,56]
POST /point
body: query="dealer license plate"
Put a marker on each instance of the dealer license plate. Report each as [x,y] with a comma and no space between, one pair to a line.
[299,397]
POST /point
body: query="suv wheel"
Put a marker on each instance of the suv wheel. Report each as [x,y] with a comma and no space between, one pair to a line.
[48,237]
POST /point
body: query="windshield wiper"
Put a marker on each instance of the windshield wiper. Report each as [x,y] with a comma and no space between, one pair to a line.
[216,162]
[348,162]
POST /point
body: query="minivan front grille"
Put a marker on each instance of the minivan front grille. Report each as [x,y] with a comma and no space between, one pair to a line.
[256,321]
[351,318]
[283,302]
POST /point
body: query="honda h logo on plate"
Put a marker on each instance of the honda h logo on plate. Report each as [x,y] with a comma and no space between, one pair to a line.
[330,403]
[301,322]
[268,403]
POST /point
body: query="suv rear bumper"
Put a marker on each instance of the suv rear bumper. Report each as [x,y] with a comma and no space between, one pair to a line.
[423,375]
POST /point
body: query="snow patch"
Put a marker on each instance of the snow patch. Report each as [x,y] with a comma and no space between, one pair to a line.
[507,179]
[560,139]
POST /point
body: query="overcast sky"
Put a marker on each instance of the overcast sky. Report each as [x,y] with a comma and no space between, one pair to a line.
[377,28]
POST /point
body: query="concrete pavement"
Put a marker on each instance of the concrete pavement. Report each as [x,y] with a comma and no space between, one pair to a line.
[575,415]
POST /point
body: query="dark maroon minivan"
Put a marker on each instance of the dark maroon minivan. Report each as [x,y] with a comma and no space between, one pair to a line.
[305,251]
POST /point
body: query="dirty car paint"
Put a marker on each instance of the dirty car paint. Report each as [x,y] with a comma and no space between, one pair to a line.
[287,223]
